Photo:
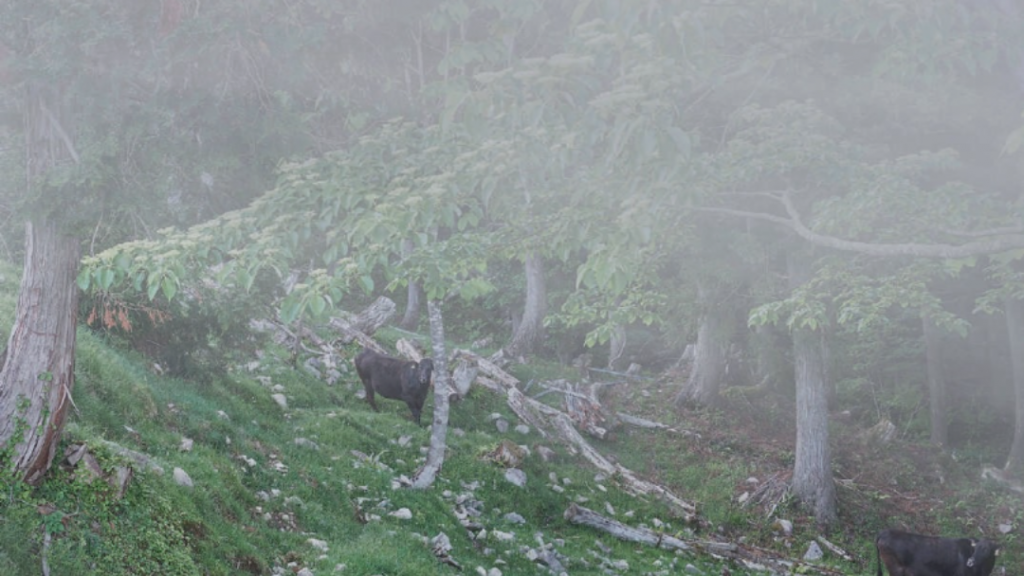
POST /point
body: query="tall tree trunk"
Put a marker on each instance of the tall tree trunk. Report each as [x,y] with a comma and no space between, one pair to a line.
[813,484]
[411,319]
[38,365]
[529,330]
[936,380]
[426,475]
[1014,318]
[705,382]
[37,373]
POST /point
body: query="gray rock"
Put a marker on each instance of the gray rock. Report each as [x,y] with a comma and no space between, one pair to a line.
[516,476]
[281,400]
[813,552]
[181,478]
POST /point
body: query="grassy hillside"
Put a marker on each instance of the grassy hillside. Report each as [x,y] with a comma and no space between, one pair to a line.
[310,487]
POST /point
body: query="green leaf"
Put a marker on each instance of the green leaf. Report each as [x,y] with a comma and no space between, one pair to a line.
[317,305]
[169,287]
[84,275]
[366,281]
[153,286]
[290,310]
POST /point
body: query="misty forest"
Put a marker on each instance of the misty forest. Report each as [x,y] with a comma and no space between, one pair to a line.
[680,286]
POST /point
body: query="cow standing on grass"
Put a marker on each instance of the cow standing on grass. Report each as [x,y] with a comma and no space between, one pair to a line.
[395,378]
[906,554]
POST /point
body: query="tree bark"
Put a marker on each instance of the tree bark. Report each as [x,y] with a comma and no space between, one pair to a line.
[528,332]
[411,319]
[38,364]
[813,484]
[705,382]
[426,475]
[936,380]
[1014,318]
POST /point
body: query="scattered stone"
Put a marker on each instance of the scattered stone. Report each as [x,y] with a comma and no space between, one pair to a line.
[277,388]
[785,525]
[516,476]
[501,425]
[503,536]
[522,429]
[339,567]
[318,544]
[304,572]
[307,443]
[546,454]
[223,415]
[181,478]
[608,508]
[186,444]
[813,553]
[743,498]
[402,514]
[514,518]
[1005,528]
[281,400]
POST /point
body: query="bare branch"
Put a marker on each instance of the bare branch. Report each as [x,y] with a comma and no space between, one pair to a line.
[999,240]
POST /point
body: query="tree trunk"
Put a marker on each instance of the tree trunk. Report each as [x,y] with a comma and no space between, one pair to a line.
[425,476]
[705,381]
[38,365]
[1014,318]
[411,319]
[936,380]
[528,332]
[813,484]
[616,347]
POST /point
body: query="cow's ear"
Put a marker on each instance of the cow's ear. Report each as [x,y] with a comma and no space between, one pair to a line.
[997,551]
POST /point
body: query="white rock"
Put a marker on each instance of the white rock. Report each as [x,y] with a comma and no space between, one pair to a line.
[339,567]
[181,478]
[608,508]
[318,544]
[785,525]
[402,514]
[503,536]
[304,572]
[516,476]
[522,428]
[1006,528]
[281,400]
[223,414]
[186,445]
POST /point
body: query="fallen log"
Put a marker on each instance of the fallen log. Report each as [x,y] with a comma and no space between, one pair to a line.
[751,557]
[366,322]
[626,477]
[534,413]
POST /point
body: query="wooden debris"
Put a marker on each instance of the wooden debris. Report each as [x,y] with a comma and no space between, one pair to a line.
[749,556]
[366,322]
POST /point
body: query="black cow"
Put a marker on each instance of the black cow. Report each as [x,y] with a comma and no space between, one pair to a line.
[394,378]
[906,554]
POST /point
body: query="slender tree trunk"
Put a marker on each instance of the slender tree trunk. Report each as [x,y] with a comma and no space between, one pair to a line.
[1014,318]
[616,346]
[38,365]
[704,385]
[426,475]
[813,484]
[936,380]
[411,319]
[530,328]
